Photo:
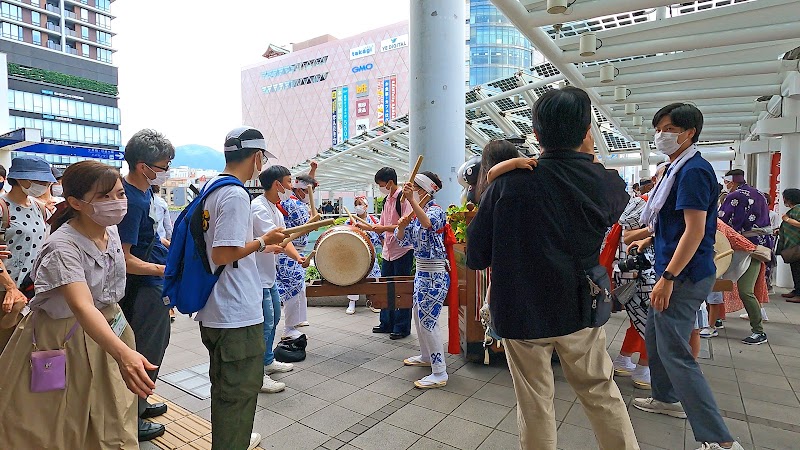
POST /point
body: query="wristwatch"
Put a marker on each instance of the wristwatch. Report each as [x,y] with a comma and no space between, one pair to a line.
[261,244]
[668,276]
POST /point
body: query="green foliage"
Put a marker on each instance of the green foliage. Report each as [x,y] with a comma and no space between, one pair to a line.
[312,274]
[379,205]
[458,222]
[340,221]
[61,79]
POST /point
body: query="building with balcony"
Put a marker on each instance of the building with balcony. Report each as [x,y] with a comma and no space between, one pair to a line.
[61,79]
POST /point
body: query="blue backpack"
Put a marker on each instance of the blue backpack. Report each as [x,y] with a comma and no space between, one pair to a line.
[188,279]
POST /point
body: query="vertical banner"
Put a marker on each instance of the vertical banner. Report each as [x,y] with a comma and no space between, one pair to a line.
[345,114]
[774,181]
[339,114]
[334,124]
[394,97]
[387,95]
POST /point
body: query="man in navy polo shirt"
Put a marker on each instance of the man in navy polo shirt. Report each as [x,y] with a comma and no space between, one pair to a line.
[148,154]
[682,211]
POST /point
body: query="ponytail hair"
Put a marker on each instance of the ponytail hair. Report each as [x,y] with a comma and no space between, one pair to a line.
[80,179]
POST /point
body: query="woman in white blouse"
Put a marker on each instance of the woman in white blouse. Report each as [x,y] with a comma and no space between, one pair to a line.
[79,276]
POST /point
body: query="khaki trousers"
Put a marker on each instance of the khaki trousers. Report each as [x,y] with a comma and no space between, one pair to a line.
[588,369]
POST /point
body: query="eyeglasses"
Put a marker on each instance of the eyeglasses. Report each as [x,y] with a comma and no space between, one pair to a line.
[165,169]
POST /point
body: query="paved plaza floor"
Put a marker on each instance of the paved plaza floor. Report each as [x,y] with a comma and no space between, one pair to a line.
[352,391]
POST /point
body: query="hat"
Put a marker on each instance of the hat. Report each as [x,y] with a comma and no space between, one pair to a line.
[246,137]
[56,173]
[29,167]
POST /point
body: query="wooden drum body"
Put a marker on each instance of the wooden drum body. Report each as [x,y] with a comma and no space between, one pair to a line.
[344,255]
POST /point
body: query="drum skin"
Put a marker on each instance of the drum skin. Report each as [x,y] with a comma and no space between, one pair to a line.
[344,255]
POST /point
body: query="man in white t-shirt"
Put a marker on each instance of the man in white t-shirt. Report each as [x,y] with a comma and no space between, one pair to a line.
[231,322]
[267,216]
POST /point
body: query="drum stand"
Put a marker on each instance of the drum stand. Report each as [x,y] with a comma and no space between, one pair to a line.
[382,293]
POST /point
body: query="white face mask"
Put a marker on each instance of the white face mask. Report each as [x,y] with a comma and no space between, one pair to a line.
[384,190]
[108,213]
[160,177]
[667,143]
[36,190]
[361,209]
[57,190]
[417,198]
[285,195]
[305,200]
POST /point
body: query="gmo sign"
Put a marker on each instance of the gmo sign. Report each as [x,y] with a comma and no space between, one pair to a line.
[362,68]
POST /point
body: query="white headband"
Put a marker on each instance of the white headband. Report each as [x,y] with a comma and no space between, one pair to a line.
[728,178]
[300,184]
[425,183]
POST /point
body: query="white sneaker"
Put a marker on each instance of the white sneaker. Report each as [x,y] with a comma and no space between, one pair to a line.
[270,386]
[715,446]
[709,332]
[641,377]
[350,309]
[278,367]
[623,366]
[652,405]
[255,439]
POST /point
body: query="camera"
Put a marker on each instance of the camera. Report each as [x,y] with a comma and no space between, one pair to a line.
[634,262]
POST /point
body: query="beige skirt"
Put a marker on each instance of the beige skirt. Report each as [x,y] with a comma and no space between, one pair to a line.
[95,411]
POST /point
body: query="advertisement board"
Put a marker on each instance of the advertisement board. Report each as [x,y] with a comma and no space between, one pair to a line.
[394,43]
[393,95]
[362,89]
[334,124]
[362,51]
[362,107]
[362,126]
[345,113]
[387,100]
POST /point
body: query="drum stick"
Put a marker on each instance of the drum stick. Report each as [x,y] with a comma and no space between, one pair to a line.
[314,218]
[422,201]
[311,200]
[308,227]
[350,215]
[413,174]
[723,254]
[307,262]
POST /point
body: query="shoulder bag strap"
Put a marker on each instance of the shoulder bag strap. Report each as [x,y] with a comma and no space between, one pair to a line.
[69,335]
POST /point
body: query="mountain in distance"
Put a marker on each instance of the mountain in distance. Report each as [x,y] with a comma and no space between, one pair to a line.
[198,157]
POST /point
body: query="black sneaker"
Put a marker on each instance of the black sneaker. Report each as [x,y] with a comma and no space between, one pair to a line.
[719,325]
[755,339]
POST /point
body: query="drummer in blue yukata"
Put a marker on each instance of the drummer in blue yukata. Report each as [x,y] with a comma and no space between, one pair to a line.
[291,274]
[431,282]
[376,239]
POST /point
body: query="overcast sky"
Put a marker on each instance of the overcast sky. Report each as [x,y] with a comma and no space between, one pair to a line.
[179,60]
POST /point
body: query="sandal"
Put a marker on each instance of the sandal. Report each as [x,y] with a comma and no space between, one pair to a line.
[416,361]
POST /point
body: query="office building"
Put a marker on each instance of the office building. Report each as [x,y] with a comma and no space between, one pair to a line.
[60,78]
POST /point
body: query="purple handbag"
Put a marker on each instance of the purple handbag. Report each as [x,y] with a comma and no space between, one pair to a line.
[49,367]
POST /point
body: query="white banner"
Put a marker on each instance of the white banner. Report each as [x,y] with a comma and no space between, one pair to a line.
[394,43]
[362,51]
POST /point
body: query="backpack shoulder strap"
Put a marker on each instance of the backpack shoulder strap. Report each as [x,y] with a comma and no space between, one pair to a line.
[398,205]
[5,220]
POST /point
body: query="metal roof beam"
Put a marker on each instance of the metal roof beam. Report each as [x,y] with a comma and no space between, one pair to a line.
[699,73]
[722,93]
[584,10]
[521,19]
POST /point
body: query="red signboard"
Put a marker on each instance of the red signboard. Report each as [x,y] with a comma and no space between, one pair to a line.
[394,97]
[362,107]
[774,179]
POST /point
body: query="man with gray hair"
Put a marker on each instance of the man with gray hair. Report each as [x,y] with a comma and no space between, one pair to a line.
[148,154]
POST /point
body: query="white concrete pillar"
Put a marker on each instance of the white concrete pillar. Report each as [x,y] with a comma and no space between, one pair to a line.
[789,175]
[763,166]
[437,91]
[645,170]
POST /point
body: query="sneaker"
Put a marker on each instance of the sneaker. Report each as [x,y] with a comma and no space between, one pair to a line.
[652,405]
[719,324]
[278,367]
[350,309]
[709,332]
[716,446]
[623,366]
[641,377]
[755,339]
[255,439]
[270,386]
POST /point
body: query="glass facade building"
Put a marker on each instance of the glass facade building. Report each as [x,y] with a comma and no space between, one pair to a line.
[496,48]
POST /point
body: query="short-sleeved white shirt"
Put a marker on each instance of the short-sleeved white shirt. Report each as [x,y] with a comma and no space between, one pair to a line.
[235,300]
[70,257]
[266,216]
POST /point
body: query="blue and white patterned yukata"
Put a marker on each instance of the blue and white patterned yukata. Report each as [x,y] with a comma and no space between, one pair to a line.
[377,240]
[430,288]
[291,275]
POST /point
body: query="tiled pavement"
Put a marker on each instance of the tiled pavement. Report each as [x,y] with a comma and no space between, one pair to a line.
[352,391]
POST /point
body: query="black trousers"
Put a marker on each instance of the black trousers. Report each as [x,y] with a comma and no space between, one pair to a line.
[148,317]
[397,320]
[795,266]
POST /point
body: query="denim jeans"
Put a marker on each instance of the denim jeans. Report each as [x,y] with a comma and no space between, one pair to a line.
[675,375]
[397,320]
[272,315]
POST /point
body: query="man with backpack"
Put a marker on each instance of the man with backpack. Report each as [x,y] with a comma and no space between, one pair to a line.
[397,260]
[148,154]
[231,319]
